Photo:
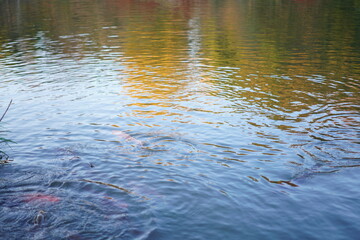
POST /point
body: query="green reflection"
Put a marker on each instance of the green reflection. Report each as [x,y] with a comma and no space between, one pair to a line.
[286,55]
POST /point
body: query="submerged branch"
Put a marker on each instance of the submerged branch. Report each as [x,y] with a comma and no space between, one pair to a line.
[6,110]
[114,186]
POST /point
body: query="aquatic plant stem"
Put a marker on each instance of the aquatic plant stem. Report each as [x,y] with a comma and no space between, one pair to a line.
[6,110]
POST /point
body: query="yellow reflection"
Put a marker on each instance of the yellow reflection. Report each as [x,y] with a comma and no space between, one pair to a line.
[242,48]
[161,52]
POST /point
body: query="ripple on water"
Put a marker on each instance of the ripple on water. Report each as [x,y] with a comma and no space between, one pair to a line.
[49,205]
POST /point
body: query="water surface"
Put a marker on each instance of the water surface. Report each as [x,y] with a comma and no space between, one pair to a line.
[180,119]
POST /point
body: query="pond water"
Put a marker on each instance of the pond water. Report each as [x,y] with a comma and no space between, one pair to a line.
[180,119]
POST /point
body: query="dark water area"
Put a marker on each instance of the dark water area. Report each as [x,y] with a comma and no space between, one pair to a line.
[180,119]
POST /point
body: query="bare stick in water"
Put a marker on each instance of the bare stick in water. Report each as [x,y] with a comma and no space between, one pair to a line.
[6,110]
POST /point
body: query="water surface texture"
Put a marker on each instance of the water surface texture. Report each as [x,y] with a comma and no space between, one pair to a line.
[180,119]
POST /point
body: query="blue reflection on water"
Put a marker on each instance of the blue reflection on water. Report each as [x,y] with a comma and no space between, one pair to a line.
[180,126]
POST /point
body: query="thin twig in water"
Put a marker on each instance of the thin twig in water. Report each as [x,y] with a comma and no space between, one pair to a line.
[6,110]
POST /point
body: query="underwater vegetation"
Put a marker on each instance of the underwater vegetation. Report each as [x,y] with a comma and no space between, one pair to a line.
[4,158]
